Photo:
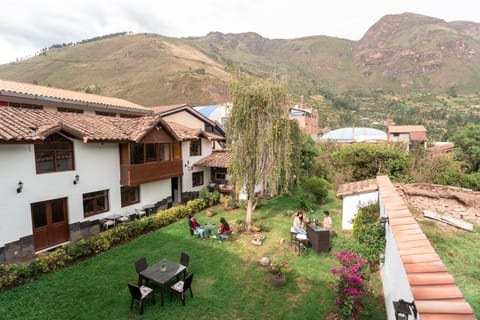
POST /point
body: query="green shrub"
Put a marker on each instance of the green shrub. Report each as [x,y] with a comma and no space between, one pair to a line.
[318,187]
[53,261]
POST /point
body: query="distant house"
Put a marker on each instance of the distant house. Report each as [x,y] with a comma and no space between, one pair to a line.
[356,195]
[412,136]
[307,120]
[216,112]
[30,96]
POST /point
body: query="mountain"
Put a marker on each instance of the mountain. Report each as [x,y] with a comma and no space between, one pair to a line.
[398,53]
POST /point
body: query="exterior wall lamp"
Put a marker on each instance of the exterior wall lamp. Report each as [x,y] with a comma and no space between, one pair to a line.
[383,222]
[404,309]
[19,186]
[77,178]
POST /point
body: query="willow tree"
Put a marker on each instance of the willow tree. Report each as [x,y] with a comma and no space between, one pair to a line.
[258,137]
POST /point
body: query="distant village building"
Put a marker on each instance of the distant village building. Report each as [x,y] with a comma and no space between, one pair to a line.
[307,120]
[413,136]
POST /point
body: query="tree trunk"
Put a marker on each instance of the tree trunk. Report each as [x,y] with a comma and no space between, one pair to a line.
[249,218]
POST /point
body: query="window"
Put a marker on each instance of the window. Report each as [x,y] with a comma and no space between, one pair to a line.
[70,110]
[104,113]
[149,152]
[136,153]
[195,147]
[220,176]
[396,134]
[130,195]
[54,154]
[25,105]
[164,152]
[197,179]
[95,203]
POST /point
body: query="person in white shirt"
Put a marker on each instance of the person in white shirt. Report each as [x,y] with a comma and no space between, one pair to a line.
[297,223]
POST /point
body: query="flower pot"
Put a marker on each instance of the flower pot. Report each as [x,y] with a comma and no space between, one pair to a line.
[277,280]
[163,268]
[210,213]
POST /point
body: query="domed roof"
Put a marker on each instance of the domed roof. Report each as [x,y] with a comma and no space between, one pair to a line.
[352,134]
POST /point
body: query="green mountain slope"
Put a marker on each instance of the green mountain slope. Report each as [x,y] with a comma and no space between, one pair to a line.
[398,53]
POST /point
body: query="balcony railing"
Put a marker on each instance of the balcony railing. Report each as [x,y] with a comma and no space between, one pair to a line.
[135,174]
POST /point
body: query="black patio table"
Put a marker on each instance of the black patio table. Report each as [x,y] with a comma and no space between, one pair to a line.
[157,274]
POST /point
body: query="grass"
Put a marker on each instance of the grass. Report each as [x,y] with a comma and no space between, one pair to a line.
[458,250]
[229,281]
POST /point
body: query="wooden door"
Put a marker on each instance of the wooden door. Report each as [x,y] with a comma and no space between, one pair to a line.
[50,223]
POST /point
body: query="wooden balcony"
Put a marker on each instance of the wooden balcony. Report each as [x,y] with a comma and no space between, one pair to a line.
[135,174]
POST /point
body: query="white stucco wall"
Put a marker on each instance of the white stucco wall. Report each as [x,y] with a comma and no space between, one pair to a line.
[352,203]
[186,119]
[394,277]
[187,171]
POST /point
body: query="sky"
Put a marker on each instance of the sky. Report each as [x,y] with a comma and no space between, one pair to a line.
[26,26]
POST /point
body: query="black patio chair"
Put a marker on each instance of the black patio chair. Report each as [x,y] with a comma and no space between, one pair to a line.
[141,294]
[181,286]
[140,265]
[184,261]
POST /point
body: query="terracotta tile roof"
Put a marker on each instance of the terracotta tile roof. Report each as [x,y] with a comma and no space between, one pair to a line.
[167,108]
[434,290]
[357,187]
[217,159]
[30,125]
[406,129]
[418,136]
[441,148]
[186,133]
[32,91]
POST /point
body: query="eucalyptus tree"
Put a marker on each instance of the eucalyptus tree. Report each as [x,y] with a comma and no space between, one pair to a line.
[258,135]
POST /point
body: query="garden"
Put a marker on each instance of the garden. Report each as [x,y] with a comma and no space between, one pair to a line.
[230,282]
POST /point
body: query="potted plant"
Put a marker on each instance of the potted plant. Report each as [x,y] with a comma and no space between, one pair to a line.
[277,271]
[163,267]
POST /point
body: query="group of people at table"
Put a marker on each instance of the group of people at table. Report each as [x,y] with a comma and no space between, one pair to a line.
[222,233]
[298,222]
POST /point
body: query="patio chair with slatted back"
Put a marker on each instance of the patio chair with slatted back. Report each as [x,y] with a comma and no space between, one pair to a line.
[140,213]
[106,223]
[125,217]
[184,261]
[140,293]
[181,286]
[140,265]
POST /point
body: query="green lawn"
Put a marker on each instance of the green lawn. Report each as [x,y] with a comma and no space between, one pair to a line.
[458,250]
[229,282]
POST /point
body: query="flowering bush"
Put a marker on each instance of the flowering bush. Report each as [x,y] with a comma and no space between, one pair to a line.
[350,286]
[278,269]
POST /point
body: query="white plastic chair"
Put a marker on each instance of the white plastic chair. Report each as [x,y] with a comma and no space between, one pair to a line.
[125,217]
[140,213]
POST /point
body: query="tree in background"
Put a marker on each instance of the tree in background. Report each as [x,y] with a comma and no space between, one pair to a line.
[258,134]
[360,161]
[467,146]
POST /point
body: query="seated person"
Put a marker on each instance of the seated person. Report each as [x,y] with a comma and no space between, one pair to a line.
[224,230]
[194,225]
[327,220]
[297,223]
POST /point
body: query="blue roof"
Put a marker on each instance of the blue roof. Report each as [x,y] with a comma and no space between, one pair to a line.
[208,110]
